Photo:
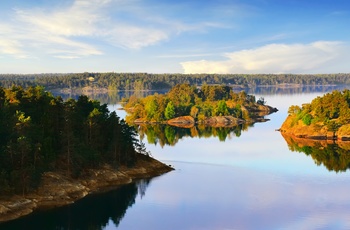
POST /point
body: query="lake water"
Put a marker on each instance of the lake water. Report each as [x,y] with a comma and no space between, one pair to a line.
[253,181]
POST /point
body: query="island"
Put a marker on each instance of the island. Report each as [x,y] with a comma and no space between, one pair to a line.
[326,117]
[185,105]
[54,152]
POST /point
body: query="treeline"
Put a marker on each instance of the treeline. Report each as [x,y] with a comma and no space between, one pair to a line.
[146,81]
[187,100]
[40,132]
[332,109]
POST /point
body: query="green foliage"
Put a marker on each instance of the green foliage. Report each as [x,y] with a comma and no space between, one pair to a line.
[40,132]
[185,100]
[307,119]
[169,110]
[332,110]
[221,109]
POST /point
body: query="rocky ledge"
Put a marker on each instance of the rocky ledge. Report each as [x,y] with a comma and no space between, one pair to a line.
[317,131]
[57,190]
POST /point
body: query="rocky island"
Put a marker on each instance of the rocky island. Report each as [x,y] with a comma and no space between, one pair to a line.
[185,106]
[326,117]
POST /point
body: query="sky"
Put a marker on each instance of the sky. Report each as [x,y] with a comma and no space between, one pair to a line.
[168,36]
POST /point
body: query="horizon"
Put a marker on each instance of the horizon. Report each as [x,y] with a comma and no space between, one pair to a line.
[182,37]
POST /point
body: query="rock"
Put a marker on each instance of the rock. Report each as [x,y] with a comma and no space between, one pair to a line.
[223,120]
[56,189]
[181,120]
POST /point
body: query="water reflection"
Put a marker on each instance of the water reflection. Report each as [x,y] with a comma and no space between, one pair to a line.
[334,156]
[113,97]
[291,89]
[92,212]
[170,135]
[108,97]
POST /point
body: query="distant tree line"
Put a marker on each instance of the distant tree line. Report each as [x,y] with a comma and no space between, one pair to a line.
[40,132]
[147,81]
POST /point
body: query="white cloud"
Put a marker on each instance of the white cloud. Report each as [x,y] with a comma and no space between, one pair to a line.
[72,31]
[320,56]
[135,37]
[75,30]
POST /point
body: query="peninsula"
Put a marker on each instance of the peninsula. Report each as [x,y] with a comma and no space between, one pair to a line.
[54,152]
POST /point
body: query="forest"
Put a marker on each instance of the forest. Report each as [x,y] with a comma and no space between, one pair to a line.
[148,81]
[332,107]
[199,103]
[327,116]
[40,132]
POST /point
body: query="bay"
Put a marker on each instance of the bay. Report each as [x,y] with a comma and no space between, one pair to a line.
[250,181]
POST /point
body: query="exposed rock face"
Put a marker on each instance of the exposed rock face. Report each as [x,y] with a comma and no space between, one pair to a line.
[318,131]
[224,120]
[57,189]
[181,120]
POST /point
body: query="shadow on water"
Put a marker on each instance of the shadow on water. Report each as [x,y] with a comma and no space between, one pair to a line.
[335,156]
[92,212]
[170,135]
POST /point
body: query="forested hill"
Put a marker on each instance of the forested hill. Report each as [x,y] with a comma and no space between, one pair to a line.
[146,81]
[40,132]
[326,117]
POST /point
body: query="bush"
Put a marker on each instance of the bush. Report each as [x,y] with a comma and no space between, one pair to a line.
[307,119]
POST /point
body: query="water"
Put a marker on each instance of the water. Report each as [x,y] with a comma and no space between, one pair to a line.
[253,181]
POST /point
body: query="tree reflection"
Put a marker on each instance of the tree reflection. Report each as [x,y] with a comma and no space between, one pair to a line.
[170,135]
[334,156]
[92,212]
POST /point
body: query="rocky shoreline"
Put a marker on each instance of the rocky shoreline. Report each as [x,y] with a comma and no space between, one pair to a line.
[318,131]
[57,189]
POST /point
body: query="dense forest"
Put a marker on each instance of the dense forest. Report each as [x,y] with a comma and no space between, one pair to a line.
[329,114]
[199,103]
[147,81]
[40,132]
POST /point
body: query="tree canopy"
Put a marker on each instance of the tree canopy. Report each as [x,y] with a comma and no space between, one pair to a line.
[40,132]
[187,100]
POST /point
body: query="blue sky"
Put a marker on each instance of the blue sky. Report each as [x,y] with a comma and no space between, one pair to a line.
[183,36]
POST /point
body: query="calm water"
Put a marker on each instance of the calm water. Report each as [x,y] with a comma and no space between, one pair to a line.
[253,181]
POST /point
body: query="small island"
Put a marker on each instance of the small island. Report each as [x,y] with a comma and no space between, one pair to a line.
[326,117]
[185,105]
[54,152]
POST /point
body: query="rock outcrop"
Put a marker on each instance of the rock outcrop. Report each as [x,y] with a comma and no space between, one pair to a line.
[316,131]
[57,189]
[223,121]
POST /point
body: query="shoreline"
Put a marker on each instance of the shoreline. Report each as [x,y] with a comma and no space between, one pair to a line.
[57,189]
